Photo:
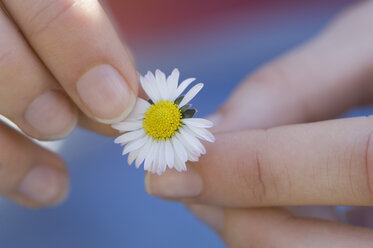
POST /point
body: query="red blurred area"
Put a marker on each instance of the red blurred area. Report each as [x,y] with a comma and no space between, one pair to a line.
[143,18]
[139,17]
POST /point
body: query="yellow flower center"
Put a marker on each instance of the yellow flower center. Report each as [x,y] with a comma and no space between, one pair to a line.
[162,120]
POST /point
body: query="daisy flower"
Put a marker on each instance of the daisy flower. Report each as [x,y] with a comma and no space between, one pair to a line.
[162,132]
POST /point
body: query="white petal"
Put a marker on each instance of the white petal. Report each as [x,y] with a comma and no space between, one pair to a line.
[187,134]
[130,136]
[182,87]
[190,148]
[191,145]
[172,81]
[179,165]
[161,84]
[198,122]
[179,148]
[132,156]
[162,157]
[160,76]
[150,156]
[155,164]
[147,87]
[169,153]
[191,154]
[133,145]
[152,84]
[201,133]
[143,152]
[191,94]
[139,110]
[127,126]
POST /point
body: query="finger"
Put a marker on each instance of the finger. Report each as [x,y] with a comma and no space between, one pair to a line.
[29,95]
[274,227]
[76,41]
[325,163]
[29,174]
[102,128]
[317,81]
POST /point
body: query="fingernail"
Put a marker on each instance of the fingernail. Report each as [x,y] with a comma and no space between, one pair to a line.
[211,215]
[52,115]
[174,184]
[44,185]
[106,94]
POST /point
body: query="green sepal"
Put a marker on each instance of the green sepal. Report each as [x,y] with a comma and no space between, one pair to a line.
[189,113]
[185,108]
[150,101]
[178,100]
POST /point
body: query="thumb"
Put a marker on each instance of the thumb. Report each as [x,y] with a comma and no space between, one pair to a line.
[313,82]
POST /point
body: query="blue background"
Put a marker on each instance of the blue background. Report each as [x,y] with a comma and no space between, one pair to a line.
[108,206]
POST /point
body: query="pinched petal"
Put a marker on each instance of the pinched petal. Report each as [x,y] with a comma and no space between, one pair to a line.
[139,110]
[127,126]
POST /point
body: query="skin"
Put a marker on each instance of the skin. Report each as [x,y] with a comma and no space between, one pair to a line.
[40,89]
[316,163]
[274,148]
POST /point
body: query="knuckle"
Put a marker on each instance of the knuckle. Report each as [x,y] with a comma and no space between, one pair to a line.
[359,166]
[368,164]
[6,58]
[249,171]
[280,77]
[275,73]
[10,172]
[47,13]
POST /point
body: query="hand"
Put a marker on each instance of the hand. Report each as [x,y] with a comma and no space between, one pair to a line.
[60,61]
[318,163]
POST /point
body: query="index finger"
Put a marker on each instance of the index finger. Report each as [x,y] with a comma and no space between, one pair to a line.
[325,163]
[78,44]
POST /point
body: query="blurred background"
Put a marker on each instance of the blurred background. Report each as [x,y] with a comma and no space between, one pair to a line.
[219,42]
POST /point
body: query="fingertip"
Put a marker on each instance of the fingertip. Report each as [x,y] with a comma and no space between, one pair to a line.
[44,186]
[106,94]
[174,185]
[50,116]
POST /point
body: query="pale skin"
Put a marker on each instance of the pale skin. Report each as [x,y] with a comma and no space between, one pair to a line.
[61,62]
[56,54]
[274,148]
